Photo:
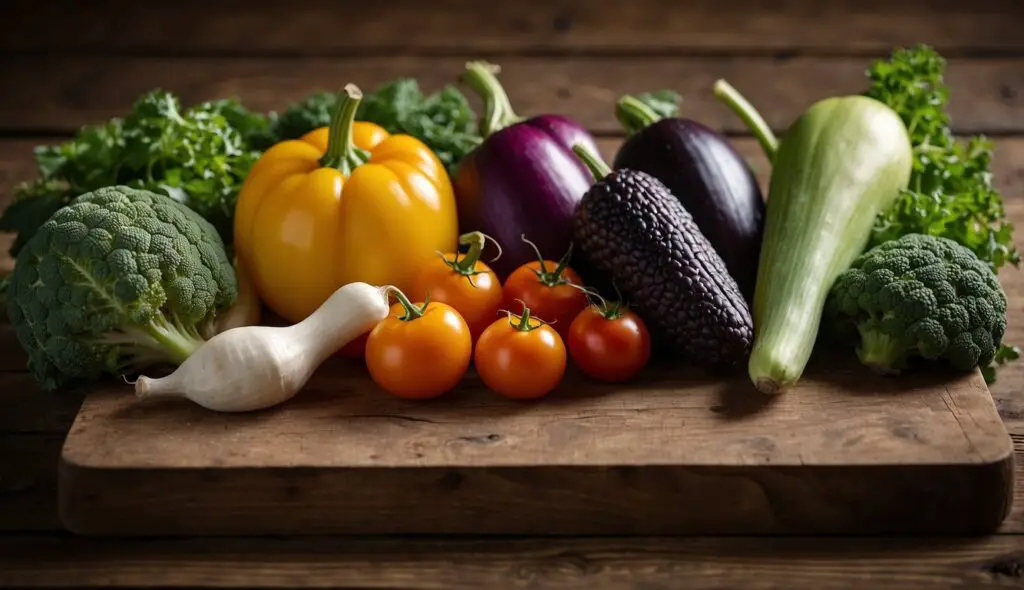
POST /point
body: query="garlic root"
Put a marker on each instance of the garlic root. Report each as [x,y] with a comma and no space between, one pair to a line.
[255,367]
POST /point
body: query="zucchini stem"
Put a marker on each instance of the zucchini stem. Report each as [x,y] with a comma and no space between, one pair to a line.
[749,115]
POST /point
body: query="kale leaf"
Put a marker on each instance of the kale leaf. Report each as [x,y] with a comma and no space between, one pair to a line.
[444,121]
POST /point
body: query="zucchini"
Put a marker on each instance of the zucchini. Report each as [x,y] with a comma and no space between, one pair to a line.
[840,164]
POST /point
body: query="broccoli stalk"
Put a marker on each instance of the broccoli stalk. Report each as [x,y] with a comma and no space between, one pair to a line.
[118,280]
[881,352]
[920,296]
[161,340]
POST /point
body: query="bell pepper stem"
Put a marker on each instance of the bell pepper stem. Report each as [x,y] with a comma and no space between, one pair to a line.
[634,115]
[594,163]
[482,77]
[342,152]
[749,115]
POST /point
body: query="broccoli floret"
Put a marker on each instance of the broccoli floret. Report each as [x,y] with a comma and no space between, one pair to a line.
[920,296]
[117,280]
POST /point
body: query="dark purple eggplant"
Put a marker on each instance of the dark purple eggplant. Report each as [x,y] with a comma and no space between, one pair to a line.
[523,180]
[708,176]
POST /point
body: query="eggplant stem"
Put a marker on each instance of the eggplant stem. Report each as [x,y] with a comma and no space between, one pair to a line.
[593,162]
[634,115]
[482,77]
[749,115]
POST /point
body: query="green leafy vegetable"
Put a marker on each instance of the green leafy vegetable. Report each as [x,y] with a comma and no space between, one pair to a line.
[950,193]
[921,296]
[198,156]
[444,121]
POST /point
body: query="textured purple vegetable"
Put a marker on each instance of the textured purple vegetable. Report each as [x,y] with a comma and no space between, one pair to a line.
[708,176]
[523,180]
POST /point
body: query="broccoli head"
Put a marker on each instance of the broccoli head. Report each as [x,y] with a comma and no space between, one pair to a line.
[117,280]
[920,296]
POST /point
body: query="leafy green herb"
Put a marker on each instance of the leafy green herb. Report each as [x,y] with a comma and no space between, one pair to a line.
[950,192]
[198,156]
[444,121]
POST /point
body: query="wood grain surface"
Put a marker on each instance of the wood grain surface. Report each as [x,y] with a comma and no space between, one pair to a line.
[563,564]
[319,27]
[59,94]
[674,452]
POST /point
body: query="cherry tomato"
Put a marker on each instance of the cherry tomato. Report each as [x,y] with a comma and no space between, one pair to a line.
[463,282]
[609,343]
[520,357]
[546,288]
[419,351]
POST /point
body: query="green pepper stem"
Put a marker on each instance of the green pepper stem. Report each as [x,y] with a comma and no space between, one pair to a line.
[594,163]
[341,152]
[482,77]
[753,120]
[634,115]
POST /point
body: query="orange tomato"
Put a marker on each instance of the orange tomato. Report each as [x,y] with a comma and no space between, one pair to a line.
[546,288]
[463,282]
[419,351]
[609,344]
[520,357]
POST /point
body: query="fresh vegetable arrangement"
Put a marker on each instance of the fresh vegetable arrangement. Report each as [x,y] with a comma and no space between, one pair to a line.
[401,229]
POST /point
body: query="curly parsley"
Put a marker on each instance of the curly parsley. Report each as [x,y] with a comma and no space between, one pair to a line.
[199,156]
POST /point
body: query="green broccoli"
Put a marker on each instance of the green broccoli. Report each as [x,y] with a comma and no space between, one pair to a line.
[115,281]
[920,296]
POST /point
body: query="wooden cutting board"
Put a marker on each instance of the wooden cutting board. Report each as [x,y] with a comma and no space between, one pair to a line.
[845,452]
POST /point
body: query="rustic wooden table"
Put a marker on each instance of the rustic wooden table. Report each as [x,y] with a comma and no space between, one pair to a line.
[63,66]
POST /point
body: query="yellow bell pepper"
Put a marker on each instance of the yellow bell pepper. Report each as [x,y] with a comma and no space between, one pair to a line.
[344,203]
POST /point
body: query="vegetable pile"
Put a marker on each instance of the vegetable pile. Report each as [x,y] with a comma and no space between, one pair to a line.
[402,229]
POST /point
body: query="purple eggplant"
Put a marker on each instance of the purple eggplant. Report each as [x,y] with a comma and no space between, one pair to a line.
[523,180]
[708,176]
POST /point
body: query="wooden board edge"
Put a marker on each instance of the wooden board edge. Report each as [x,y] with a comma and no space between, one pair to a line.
[624,501]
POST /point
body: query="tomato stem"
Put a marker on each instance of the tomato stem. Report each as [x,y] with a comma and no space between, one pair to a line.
[609,310]
[524,320]
[411,311]
[552,278]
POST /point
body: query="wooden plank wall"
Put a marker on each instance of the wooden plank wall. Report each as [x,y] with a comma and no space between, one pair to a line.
[65,64]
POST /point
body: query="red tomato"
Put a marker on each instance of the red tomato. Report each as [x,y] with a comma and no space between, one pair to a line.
[547,289]
[419,354]
[609,344]
[472,289]
[520,357]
